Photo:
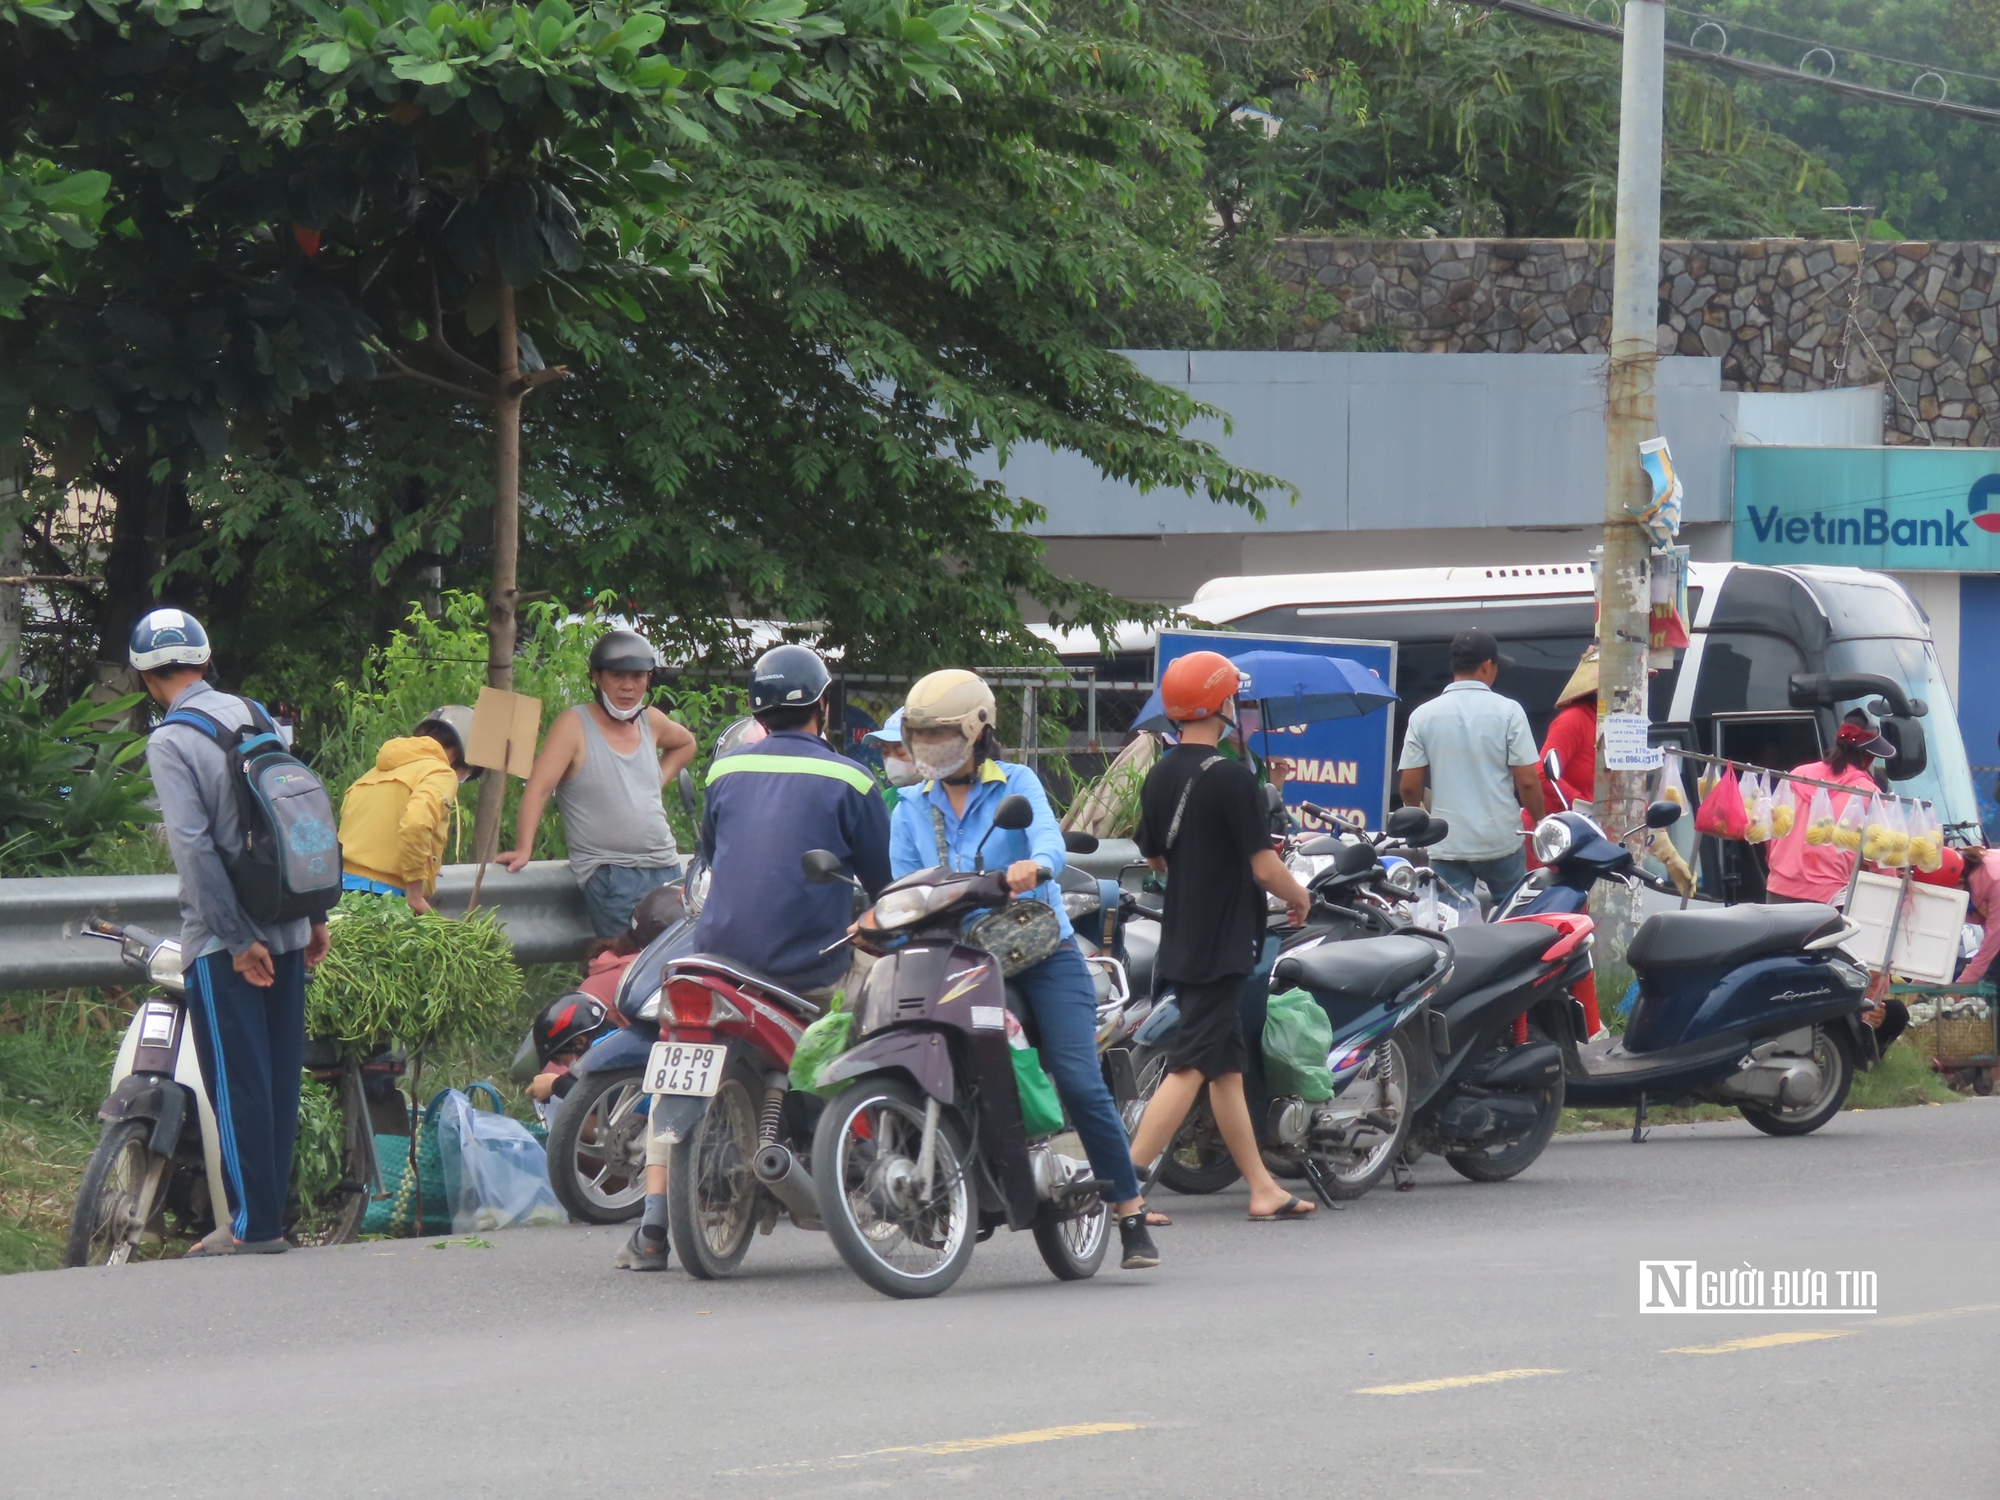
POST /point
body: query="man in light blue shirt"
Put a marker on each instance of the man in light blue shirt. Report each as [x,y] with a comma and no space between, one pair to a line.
[1481,760]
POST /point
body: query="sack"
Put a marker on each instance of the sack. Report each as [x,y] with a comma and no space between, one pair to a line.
[1297,1036]
[1784,810]
[1850,826]
[821,1043]
[1926,839]
[1756,811]
[1020,934]
[288,865]
[397,1213]
[1819,818]
[1041,1110]
[496,1174]
[1721,812]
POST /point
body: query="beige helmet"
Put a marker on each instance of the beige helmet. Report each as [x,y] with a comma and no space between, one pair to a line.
[951,699]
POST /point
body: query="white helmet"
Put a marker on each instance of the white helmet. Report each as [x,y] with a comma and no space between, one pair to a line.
[951,699]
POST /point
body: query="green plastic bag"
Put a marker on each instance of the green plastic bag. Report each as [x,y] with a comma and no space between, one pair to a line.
[1297,1037]
[1041,1110]
[822,1042]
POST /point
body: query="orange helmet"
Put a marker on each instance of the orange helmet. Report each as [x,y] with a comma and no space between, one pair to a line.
[1196,686]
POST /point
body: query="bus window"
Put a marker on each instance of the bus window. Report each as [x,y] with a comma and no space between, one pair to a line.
[1744,671]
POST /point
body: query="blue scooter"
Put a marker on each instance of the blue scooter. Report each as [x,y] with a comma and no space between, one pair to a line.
[1751,1006]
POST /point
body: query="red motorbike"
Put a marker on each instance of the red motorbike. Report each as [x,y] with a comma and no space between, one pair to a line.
[719,1078]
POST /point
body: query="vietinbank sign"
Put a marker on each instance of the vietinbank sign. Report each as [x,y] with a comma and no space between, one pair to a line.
[1906,509]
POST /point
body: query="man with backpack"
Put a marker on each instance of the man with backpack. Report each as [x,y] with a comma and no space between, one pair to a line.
[234,846]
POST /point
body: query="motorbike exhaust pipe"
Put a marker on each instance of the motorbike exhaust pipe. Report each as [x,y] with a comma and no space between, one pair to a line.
[777,1169]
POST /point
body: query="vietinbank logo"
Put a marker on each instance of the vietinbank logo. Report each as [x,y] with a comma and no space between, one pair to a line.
[1874,528]
[1983,490]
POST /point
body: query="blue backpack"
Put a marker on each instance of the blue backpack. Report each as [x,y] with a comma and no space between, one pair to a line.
[288,865]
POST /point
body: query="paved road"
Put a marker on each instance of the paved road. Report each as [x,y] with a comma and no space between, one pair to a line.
[1245,1366]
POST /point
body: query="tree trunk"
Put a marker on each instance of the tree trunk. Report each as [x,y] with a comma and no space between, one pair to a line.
[502,624]
[10,567]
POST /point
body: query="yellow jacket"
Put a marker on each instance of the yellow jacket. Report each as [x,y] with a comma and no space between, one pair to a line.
[394,819]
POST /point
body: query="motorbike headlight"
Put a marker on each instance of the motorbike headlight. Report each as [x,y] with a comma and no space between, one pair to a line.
[697,890]
[912,904]
[164,967]
[1552,840]
[1079,904]
[649,1009]
[1401,879]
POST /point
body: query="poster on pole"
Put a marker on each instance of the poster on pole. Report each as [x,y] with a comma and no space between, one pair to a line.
[1342,765]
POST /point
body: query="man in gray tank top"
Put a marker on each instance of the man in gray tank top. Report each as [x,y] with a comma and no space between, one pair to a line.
[605,762]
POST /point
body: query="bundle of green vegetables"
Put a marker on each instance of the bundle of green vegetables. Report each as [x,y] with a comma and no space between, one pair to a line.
[427,981]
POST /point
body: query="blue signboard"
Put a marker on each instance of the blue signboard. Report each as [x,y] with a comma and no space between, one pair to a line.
[1900,509]
[1339,764]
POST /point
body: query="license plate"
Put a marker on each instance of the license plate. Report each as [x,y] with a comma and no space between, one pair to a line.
[685,1068]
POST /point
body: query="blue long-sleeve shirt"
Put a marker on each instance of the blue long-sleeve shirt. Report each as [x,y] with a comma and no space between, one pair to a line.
[913,835]
[768,803]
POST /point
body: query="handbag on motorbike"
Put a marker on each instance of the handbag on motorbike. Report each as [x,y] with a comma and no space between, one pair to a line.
[1020,934]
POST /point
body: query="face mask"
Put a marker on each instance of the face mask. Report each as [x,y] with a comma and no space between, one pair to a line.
[936,762]
[622,715]
[900,772]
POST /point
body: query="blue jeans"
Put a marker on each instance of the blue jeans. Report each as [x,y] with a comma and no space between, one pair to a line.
[1501,875]
[613,890]
[250,1041]
[1062,1004]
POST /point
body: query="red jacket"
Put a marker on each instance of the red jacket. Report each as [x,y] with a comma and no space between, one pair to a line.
[1573,737]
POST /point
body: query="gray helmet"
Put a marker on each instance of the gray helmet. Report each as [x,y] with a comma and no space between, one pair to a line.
[453,719]
[787,677]
[623,651]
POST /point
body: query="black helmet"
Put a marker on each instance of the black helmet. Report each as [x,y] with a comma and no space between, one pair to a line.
[567,1020]
[787,677]
[623,651]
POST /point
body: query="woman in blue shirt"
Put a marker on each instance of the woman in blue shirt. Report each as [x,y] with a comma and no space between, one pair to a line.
[948,730]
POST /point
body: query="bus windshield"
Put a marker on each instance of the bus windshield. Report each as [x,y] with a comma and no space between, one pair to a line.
[1946,783]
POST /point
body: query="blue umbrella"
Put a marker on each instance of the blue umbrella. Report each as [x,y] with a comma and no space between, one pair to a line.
[1294,687]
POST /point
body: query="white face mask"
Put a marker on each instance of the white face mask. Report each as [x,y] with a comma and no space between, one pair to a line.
[900,772]
[936,762]
[622,715]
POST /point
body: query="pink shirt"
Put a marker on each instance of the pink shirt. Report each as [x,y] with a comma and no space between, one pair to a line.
[1985,886]
[1815,872]
[601,979]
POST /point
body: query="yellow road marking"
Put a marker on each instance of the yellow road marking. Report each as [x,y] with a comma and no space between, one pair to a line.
[1931,1317]
[1011,1439]
[1451,1382]
[1763,1341]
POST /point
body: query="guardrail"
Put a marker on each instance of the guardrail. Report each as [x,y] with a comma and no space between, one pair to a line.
[42,946]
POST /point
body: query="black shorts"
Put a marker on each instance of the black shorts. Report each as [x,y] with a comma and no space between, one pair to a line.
[1211,1032]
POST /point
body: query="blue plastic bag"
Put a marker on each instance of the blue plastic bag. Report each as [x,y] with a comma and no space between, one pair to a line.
[496,1174]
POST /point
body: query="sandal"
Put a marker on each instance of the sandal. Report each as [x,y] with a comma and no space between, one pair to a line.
[222,1242]
[1295,1208]
[1157,1220]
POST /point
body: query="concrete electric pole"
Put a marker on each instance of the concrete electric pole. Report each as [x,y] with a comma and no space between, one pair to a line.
[1624,596]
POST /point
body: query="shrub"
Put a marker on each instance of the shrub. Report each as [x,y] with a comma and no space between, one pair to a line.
[66,781]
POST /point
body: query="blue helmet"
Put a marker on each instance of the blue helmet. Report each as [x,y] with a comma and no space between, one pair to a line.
[787,677]
[168,638]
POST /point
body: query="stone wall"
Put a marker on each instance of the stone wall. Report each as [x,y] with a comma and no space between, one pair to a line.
[1782,315]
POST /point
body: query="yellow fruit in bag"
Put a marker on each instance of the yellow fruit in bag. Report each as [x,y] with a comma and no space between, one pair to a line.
[1782,815]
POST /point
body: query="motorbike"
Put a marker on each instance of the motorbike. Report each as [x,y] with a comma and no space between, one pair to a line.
[924,1151]
[158,1160]
[1756,1007]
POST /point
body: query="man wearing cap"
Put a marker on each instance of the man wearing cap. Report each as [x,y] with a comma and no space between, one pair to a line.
[1480,756]
[897,767]
[394,819]
[604,762]
[1820,872]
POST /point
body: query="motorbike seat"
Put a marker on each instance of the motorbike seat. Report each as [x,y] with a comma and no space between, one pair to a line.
[1483,953]
[1364,968]
[763,984]
[1734,935]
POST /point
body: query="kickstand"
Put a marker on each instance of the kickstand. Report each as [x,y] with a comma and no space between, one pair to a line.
[1402,1176]
[1639,1131]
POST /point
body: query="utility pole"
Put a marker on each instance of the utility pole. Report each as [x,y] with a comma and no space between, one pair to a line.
[1624,595]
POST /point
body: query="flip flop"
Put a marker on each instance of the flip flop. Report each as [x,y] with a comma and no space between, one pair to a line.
[1295,1208]
[1157,1220]
[221,1242]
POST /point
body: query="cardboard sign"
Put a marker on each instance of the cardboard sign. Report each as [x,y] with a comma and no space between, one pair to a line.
[504,729]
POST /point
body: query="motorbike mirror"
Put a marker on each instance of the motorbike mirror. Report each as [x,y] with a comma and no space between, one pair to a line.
[1354,859]
[1273,798]
[1014,813]
[1326,843]
[822,867]
[1912,755]
[1075,842]
[1662,814]
[686,784]
[1406,823]
[1436,831]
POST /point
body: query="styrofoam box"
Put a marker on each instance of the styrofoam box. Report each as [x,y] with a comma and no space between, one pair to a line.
[1927,947]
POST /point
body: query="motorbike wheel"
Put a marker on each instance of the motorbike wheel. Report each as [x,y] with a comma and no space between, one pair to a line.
[1198,1160]
[1835,1056]
[865,1154]
[1347,1174]
[1498,1163]
[597,1151]
[119,1197]
[712,1194]
[1073,1244]
[338,1220]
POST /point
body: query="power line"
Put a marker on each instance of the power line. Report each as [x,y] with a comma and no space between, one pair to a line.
[1748,67]
[1724,24]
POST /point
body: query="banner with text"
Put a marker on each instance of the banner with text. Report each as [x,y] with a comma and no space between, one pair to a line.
[1901,509]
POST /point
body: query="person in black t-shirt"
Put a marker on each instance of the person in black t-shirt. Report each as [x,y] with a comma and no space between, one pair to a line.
[1203,821]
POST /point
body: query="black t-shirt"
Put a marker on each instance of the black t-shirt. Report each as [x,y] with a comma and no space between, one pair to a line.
[1215,916]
